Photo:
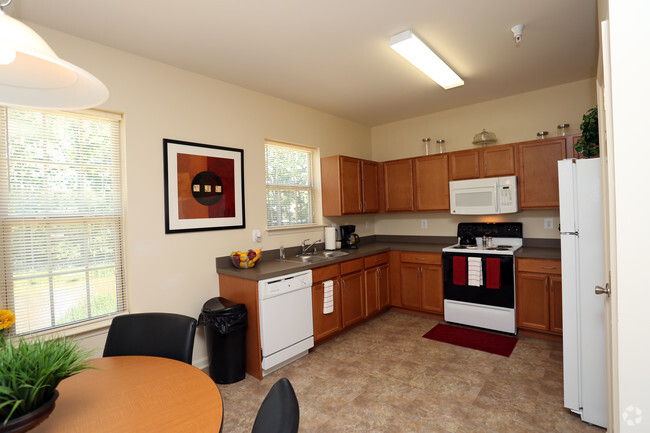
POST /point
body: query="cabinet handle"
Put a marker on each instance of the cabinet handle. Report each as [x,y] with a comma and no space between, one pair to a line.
[411,203]
[343,288]
[361,206]
[365,206]
[549,267]
[378,272]
[419,258]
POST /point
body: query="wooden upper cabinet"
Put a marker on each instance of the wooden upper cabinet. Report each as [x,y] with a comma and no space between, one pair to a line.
[431,182]
[398,185]
[464,164]
[489,161]
[350,174]
[571,140]
[537,171]
[498,161]
[370,185]
[349,185]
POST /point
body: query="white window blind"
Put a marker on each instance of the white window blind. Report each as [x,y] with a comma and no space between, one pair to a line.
[60,218]
[289,185]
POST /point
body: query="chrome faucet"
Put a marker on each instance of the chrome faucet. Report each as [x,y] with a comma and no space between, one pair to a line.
[305,249]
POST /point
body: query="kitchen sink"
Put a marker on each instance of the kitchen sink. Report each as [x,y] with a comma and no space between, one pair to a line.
[312,258]
[333,254]
[307,258]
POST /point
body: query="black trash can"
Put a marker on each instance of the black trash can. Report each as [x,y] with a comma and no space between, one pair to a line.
[225,332]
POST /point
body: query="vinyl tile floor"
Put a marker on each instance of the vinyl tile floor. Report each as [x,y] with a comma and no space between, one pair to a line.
[382,376]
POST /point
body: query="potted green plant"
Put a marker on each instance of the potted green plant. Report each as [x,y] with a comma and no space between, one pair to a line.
[30,371]
[587,145]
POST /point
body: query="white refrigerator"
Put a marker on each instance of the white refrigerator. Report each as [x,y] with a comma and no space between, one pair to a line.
[583,315]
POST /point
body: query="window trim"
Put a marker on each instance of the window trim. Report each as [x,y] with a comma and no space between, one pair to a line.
[92,326]
[316,204]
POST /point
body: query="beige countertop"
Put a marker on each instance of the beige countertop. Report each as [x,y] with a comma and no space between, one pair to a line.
[270,265]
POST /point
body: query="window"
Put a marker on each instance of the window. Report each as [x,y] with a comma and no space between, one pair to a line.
[61,240]
[289,185]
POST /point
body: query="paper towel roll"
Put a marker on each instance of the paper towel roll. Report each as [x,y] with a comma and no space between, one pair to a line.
[330,238]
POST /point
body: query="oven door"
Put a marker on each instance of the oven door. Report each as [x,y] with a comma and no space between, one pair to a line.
[503,297]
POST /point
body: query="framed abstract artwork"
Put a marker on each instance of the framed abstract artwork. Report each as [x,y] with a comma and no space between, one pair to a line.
[204,187]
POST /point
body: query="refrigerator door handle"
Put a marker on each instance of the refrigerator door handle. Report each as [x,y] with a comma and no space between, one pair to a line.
[570,233]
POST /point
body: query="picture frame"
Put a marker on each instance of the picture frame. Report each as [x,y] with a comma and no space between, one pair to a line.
[204,187]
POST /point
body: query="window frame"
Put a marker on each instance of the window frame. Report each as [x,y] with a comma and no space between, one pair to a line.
[118,220]
[314,188]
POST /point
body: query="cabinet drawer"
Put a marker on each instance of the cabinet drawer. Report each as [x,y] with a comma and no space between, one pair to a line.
[374,260]
[325,273]
[428,258]
[541,266]
[351,266]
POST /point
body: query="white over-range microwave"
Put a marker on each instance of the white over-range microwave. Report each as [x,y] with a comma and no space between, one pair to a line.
[488,196]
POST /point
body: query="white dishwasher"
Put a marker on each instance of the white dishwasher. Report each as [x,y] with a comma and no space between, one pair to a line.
[286,323]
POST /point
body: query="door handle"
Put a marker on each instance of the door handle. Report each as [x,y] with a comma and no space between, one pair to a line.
[603,290]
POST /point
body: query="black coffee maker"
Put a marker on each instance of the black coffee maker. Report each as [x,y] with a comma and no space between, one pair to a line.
[348,238]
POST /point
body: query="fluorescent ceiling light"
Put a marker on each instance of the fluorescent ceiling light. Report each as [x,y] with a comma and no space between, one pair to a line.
[33,76]
[421,56]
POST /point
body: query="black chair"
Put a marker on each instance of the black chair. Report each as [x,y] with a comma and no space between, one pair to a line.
[279,412]
[165,335]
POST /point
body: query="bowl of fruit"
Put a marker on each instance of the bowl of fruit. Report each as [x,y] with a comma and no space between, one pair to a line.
[245,260]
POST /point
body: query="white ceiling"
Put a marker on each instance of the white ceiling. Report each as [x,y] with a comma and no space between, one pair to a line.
[333,55]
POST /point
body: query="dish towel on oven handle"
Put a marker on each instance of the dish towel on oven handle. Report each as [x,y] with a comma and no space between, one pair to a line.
[459,271]
[474,272]
[492,273]
[328,297]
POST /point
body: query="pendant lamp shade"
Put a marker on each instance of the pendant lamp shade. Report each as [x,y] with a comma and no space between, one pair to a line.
[33,76]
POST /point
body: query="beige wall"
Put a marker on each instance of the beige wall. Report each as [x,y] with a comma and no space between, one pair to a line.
[176,272]
[512,119]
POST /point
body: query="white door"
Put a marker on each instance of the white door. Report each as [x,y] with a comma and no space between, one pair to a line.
[629,177]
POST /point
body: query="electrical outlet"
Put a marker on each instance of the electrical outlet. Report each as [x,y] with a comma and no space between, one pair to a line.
[257,236]
[367,224]
[548,223]
[424,224]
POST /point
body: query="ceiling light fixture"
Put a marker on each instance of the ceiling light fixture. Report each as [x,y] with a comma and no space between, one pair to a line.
[33,76]
[421,56]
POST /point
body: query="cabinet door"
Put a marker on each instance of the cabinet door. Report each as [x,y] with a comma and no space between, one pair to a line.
[464,164]
[537,171]
[431,182]
[532,302]
[398,185]
[352,302]
[410,279]
[370,186]
[498,161]
[555,301]
[325,324]
[372,291]
[350,185]
[432,293]
[383,288]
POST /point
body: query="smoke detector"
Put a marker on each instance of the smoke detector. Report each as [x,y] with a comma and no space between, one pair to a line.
[517,30]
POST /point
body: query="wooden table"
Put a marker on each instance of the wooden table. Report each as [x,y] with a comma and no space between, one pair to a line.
[136,394]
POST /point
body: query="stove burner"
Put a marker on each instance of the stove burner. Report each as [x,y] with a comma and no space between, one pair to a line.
[500,248]
[465,247]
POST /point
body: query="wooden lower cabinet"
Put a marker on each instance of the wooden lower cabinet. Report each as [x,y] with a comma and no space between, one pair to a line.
[352,299]
[377,289]
[421,281]
[539,295]
[326,324]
